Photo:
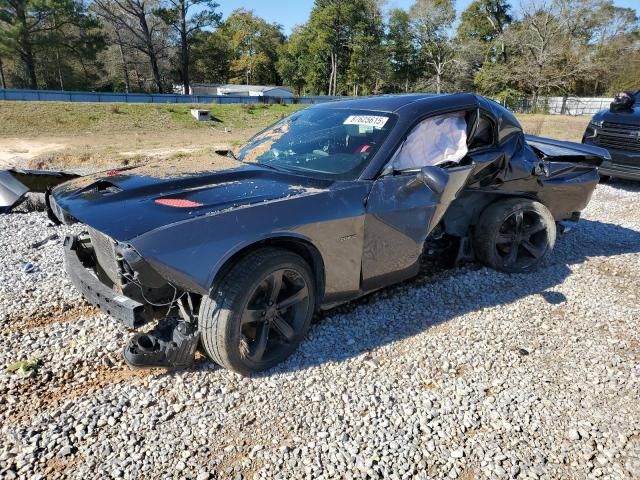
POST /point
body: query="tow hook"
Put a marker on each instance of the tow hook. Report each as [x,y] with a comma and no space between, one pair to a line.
[170,345]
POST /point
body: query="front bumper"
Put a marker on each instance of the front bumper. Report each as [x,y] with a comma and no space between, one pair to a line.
[170,345]
[619,170]
[130,312]
[622,164]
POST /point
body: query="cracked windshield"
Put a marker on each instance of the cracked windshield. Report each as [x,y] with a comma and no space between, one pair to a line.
[332,143]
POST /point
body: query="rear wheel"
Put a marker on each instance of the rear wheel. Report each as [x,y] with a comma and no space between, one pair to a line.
[515,235]
[259,312]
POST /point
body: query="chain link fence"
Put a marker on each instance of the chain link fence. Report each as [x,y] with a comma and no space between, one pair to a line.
[560,105]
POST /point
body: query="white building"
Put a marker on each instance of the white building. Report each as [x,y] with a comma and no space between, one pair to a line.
[240,90]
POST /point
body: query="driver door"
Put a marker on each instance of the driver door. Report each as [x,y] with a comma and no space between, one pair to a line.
[401,212]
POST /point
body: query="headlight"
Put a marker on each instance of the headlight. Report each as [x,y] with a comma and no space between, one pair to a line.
[596,123]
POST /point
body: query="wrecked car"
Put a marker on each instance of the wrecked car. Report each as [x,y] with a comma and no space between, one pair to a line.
[237,252]
[618,131]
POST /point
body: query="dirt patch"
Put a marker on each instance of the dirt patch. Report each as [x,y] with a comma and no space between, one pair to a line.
[183,166]
[100,151]
[14,152]
[48,391]
[41,318]
[58,467]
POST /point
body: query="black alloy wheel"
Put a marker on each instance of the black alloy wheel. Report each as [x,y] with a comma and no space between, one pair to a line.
[259,312]
[522,240]
[515,235]
[274,316]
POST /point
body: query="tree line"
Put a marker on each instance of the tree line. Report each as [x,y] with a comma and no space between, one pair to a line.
[346,47]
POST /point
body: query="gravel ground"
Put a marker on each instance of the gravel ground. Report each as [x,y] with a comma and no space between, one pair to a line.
[464,374]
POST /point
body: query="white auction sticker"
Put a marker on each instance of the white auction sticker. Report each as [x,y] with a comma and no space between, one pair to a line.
[367,120]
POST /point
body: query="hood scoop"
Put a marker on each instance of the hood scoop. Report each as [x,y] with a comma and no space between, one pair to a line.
[100,188]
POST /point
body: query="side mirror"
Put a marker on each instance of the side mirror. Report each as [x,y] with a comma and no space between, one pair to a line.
[435,178]
[226,153]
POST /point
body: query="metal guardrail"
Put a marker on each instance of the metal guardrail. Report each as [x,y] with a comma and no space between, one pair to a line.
[550,105]
[71,96]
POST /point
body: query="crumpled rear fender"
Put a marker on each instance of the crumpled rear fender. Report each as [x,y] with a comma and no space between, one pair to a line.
[559,150]
[16,183]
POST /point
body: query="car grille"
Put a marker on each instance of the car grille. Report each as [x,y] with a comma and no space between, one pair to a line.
[105,250]
[619,136]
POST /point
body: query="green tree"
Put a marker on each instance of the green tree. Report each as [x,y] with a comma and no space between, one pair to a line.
[614,35]
[485,21]
[178,14]
[209,58]
[368,67]
[401,50]
[481,47]
[293,56]
[254,45]
[337,28]
[29,24]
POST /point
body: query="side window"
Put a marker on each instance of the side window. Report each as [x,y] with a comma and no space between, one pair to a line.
[484,135]
[434,141]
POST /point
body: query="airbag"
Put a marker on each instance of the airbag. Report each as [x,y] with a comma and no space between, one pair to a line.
[436,140]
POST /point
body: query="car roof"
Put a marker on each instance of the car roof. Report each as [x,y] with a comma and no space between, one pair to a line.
[386,103]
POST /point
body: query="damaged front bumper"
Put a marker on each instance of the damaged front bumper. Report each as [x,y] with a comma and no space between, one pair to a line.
[130,312]
[171,344]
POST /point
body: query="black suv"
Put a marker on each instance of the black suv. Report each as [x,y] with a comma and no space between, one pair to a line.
[618,131]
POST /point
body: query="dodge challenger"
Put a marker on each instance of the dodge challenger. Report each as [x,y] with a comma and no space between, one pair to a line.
[235,253]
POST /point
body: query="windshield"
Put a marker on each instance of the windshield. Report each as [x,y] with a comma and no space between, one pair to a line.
[330,143]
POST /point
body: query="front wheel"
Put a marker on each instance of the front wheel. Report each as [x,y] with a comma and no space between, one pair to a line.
[260,311]
[515,235]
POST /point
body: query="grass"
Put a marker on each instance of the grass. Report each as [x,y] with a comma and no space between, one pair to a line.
[560,127]
[62,118]
[60,135]
[24,368]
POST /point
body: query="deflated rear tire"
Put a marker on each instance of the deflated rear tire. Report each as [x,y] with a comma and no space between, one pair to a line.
[515,235]
[258,314]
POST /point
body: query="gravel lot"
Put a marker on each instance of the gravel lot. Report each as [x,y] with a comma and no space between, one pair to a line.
[464,374]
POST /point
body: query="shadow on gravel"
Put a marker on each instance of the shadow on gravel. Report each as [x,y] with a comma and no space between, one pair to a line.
[405,310]
[622,184]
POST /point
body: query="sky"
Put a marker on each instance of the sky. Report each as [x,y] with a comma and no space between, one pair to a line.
[289,13]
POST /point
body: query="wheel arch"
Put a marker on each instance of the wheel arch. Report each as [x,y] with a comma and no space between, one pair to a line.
[290,242]
[464,213]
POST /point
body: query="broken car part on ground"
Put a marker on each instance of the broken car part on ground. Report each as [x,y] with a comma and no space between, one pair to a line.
[329,204]
[15,184]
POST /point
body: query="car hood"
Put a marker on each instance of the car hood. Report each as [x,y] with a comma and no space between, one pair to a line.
[631,116]
[127,203]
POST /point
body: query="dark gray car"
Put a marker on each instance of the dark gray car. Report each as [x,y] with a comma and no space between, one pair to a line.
[331,203]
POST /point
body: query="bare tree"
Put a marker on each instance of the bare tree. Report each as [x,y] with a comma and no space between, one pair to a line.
[548,56]
[432,21]
[147,31]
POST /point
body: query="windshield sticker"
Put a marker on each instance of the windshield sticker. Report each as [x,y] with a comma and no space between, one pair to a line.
[374,121]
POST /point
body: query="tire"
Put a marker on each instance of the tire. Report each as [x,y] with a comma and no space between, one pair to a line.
[514,235]
[605,179]
[234,319]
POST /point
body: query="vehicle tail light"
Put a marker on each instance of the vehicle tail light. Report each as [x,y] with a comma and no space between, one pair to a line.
[177,203]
